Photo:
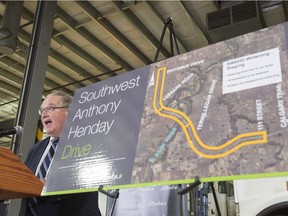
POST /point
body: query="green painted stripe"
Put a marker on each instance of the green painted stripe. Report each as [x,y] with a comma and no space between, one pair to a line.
[186,181]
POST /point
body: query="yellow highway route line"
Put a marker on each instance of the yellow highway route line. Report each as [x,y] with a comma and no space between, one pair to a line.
[187,125]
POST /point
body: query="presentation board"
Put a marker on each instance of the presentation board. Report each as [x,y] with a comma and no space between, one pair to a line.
[157,200]
[219,112]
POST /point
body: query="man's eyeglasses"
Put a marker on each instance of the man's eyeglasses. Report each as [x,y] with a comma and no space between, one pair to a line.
[51,109]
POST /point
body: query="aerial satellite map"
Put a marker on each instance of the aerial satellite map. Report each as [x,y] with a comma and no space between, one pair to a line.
[217,111]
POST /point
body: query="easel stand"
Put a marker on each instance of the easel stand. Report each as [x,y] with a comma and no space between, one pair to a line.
[188,189]
[215,198]
[167,22]
[114,195]
[197,183]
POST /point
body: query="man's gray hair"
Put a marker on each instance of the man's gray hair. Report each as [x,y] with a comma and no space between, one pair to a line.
[66,99]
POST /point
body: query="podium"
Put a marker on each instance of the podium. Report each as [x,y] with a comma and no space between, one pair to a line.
[16,179]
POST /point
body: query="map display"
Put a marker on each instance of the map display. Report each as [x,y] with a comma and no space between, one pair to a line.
[218,113]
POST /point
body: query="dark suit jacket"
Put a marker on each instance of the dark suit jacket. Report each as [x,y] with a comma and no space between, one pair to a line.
[82,204]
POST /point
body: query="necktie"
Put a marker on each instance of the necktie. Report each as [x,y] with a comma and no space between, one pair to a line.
[32,202]
[47,160]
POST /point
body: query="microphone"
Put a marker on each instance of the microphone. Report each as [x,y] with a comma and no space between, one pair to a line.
[15,130]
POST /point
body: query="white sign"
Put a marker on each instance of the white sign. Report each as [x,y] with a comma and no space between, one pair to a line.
[251,71]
